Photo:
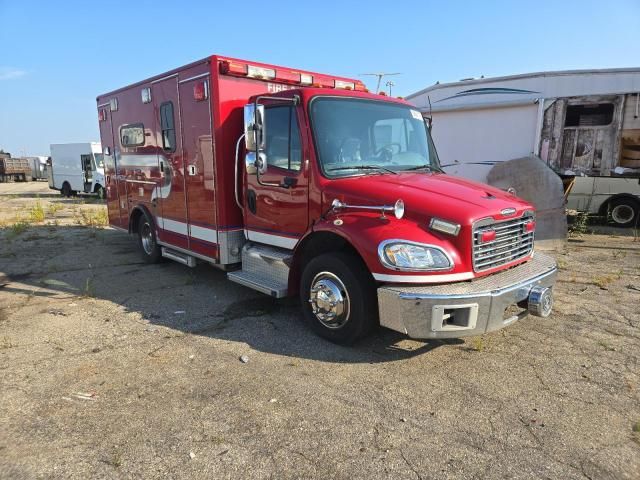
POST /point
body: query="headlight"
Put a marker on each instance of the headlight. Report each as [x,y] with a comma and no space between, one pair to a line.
[403,255]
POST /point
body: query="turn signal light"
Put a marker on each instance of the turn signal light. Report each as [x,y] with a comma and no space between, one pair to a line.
[487,236]
[530,226]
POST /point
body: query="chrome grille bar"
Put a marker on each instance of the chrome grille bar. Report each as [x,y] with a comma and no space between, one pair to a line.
[512,242]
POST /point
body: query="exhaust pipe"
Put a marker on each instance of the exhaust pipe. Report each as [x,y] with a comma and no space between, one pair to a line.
[540,301]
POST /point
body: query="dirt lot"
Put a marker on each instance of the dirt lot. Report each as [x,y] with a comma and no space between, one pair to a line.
[112,368]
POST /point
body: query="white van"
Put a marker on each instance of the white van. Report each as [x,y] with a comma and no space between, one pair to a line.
[77,167]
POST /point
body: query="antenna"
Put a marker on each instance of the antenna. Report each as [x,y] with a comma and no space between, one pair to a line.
[430,117]
[380,75]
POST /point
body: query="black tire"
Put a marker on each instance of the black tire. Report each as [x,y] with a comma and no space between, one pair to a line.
[66,189]
[624,212]
[151,252]
[359,290]
[99,190]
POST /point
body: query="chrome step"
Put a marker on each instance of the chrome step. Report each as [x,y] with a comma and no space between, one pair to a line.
[179,257]
[258,283]
[264,268]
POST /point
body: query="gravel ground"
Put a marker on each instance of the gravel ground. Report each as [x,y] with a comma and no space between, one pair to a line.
[110,368]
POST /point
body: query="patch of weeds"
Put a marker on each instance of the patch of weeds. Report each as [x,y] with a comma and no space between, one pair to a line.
[606,346]
[89,288]
[92,218]
[17,228]
[478,344]
[603,281]
[562,264]
[636,432]
[619,254]
[6,343]
[36,213]
[114,459]
[579,225]
[54,208]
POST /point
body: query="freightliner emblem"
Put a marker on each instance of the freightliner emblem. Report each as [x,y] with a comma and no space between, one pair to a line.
[505,212]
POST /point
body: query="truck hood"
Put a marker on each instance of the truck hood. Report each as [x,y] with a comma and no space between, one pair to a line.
[427,195]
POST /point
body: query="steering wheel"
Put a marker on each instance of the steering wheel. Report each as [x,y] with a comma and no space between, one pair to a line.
[389,148]
[386,151]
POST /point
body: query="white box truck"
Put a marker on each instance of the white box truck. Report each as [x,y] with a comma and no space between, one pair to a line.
[77,167]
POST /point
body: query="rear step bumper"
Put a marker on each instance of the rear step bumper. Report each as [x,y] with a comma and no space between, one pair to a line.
[468,308]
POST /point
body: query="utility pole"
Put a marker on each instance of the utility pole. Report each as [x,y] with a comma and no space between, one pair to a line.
[390,84]
[380,75]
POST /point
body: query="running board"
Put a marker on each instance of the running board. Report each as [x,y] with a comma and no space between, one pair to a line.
[179,257]
[258,283]
[264,268]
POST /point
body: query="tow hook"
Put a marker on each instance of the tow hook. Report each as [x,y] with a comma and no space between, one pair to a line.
[540,301]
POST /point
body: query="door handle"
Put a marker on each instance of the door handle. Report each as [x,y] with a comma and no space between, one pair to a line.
[289,182]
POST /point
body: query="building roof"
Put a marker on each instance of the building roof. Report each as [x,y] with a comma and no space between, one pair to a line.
[555,73]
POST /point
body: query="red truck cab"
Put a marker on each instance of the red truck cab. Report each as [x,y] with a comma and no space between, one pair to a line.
[302,183]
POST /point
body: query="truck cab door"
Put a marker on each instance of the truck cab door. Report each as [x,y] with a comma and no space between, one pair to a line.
[276,202]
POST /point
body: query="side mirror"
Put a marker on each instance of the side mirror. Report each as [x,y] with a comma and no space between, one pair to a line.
[254,127]
[252,165]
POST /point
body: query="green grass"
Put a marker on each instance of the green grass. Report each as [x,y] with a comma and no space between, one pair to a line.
[36,213]
[579,225]
[17,228]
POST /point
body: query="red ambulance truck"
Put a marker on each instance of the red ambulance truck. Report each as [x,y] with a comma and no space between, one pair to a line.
[297,182]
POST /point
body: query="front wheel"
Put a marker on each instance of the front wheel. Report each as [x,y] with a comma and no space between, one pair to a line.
[147,241]
[624,212]
[100,191]
[338,297]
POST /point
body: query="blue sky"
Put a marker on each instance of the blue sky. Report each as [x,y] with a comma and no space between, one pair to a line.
[57,56]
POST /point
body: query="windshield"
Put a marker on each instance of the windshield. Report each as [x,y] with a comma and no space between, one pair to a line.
[359,137]
[99,160]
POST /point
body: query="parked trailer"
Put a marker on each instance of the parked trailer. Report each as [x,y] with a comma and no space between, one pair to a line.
[584,124]
[304,183]
[77,167]
[15,168]
[38,168]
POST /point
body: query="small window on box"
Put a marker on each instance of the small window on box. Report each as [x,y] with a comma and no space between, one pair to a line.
[132,135]
[167,126]
[591,115]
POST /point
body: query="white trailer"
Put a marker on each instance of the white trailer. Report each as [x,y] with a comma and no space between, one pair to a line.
[77,167]
[584,124]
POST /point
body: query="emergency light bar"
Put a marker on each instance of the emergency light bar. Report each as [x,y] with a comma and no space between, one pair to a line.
[344,84]
[306,79]
[260,72]
[229,67]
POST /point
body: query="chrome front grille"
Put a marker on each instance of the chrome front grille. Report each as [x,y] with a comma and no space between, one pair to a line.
[511,243]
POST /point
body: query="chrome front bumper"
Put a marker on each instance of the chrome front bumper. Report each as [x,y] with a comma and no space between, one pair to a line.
[464,308]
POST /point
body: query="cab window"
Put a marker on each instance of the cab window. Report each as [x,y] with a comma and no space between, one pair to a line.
[283,144]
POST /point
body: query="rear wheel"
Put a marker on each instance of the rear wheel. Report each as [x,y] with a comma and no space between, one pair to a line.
[66,189]
[624,212]
[147,240]
[338,297]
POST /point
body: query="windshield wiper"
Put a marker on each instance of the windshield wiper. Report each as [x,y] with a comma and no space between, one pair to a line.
[423,167]
[363,167]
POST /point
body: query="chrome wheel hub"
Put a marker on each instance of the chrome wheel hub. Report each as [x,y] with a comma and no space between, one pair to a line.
[622,213]
[329,300]
[147,239]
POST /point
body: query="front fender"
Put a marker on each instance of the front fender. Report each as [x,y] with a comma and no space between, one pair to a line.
[365,232]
